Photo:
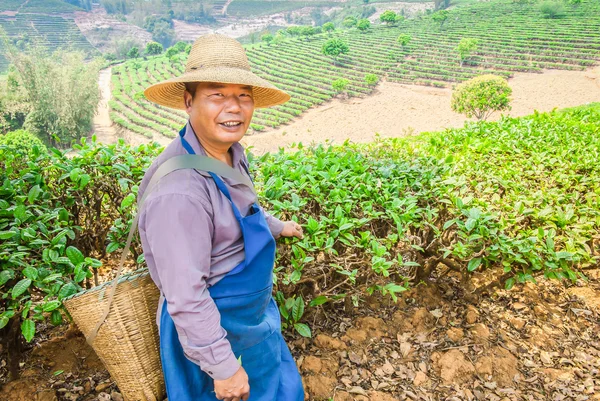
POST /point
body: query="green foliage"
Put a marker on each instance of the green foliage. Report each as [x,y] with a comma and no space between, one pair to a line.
[465,48]
[481,96]
[134,52]
[371,79]
[292,310]
[404,39]
[440,17]
[340,84]
[56,212]
[334,48]
[389,17]
[268,38]
[116,6]
[14,105]
[363,25]
[552,9]
[328,27]
[60,110]
[350,22]
[153,48]
[21,142]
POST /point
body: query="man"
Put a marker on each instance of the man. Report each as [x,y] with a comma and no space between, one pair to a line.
[210,247]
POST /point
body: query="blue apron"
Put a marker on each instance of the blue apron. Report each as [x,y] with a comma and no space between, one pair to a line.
[250,316]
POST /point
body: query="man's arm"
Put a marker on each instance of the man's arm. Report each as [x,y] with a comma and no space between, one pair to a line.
[179,233]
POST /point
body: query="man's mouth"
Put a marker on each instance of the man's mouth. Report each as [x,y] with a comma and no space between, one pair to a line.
[231,123]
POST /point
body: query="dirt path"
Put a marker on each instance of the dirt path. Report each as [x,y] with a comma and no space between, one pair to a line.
[103,126]
[396,110]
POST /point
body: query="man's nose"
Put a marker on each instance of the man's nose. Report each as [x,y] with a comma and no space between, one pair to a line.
[232,104]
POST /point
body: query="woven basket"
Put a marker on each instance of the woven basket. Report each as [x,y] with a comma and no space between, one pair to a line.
[127,342]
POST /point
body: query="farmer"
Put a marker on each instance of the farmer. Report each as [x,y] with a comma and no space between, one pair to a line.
[210,247]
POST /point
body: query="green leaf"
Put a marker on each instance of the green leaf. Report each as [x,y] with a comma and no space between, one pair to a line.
[509,283]
[473,264]
[113,246]
[67,290]
[85,179]
[303,330]
[6,275]
[56,317]
[3,321]
[127,201]
[34,193]
[52,277]
[28,329]
[20,287]
[75,255]
[320,300]
[298,309]
[6,234]
[58,372]
[50,306]
[30,272]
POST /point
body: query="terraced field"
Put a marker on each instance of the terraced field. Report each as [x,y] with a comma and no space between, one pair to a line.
[521,40]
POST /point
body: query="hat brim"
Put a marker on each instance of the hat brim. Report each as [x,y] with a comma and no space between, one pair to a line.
[169,93]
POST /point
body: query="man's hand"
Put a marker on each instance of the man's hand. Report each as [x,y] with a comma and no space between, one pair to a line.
[235,388]
[292,229]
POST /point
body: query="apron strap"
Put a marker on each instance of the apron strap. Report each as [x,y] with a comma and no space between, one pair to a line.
[193,161]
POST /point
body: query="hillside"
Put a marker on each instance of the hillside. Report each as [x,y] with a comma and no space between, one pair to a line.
[521,41]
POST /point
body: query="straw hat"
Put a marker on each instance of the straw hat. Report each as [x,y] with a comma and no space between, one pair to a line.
[216,58]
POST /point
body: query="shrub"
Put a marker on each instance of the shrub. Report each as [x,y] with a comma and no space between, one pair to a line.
[154,48]
[334,48]
[22,142]
[267,38]
[404,39]
[481,96]
[328,27]
[349,22]
[340,85]
[465,48]
[363,25]
[388,17]
[134,52]
[552,9]
[371,79]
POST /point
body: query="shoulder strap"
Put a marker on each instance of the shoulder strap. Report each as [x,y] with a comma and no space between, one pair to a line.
[197,162]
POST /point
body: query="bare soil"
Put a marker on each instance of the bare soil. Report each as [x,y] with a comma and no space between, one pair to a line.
[397,110]
[534,342]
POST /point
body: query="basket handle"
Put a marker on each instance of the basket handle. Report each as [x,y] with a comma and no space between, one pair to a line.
[180,162]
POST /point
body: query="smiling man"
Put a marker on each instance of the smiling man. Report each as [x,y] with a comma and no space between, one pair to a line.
[210,248]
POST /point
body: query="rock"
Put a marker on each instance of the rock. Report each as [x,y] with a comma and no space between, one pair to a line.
[480,333]
[46,395]
[357,335]
[453,366]
[320,387]
[420,379]
[518,323]
[116,396]
[323,341]
[103,397]
[312,364]
[455,334]
[422,320]
[102,386]
[500,364]
[472,314]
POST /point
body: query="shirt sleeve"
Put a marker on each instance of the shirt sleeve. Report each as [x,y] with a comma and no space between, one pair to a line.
[179,233]
[275,225]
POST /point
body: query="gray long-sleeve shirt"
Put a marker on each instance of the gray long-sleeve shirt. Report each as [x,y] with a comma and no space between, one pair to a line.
[191,239]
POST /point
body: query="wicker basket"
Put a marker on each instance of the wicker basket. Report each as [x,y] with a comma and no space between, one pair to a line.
[127,342]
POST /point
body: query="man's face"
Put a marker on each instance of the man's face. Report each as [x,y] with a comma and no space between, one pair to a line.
[220,113]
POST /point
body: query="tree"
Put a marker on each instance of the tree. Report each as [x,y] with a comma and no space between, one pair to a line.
[267,38]
[371,79]
[153,48]
[349,22]
[334,48]
[294,30]
[340,85]
[134,52]
[14,106]
[481,96]
[440,17]
[388,17]
[328,27]
[308,31]
[404,39]
[552,9]
[62,91]
[363,25]
[465,48]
